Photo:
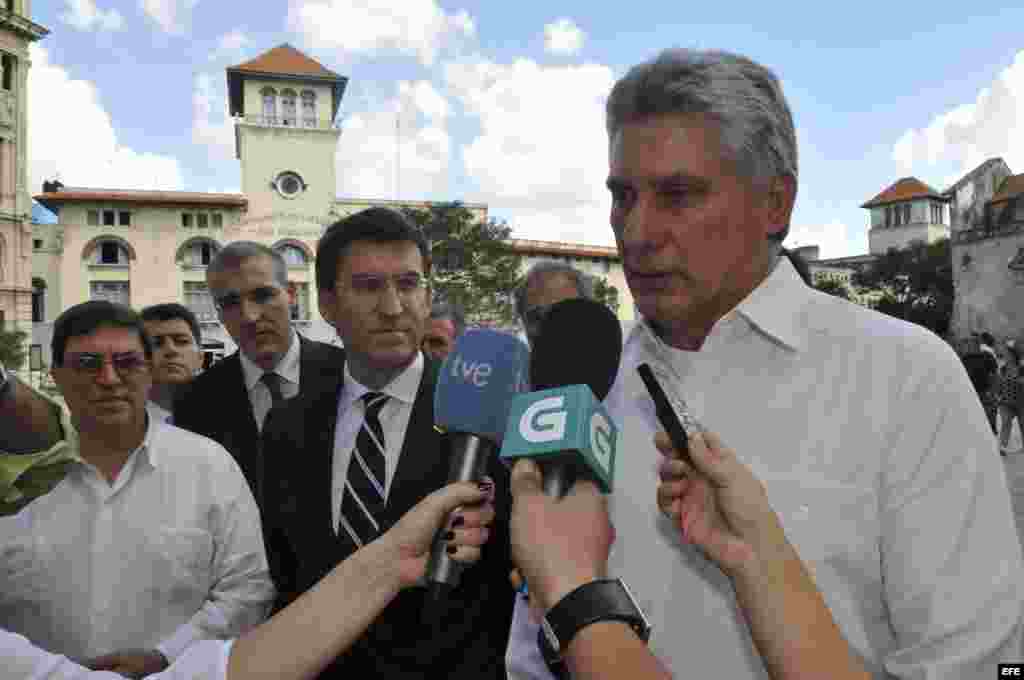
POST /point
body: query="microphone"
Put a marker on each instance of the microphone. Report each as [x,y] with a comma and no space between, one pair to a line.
[562,424]
[475,385]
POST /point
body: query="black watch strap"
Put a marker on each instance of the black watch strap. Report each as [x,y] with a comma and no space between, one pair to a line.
[603,600]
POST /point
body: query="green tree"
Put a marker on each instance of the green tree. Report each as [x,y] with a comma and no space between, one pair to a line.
[12,348]
[833,287]
[606,293]
[472,268]
[917,284]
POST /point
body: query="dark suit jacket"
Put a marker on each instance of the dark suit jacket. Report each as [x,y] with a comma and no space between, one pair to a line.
[470,638]
[217,405]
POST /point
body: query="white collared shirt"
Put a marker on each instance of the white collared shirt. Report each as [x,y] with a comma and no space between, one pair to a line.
[170,553]
[21,660]
[259,393]
[394,420]
[877,458]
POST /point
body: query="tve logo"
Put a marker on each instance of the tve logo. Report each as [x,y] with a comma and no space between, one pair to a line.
[564,421]
[544,420]
[1011,670]
[474,372]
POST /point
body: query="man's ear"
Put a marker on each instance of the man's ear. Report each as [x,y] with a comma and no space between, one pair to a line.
[325,301]
[779,202]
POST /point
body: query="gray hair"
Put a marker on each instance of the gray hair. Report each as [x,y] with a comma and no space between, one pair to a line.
[744,97]
[446,310]
[233,254]
[584,283]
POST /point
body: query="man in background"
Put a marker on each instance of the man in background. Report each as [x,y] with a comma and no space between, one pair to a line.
[177,357]
[546,283]
[445,324]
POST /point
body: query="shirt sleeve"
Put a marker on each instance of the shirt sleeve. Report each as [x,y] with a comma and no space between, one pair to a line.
[523,660]
[242,592]
[21,660]
[951,558]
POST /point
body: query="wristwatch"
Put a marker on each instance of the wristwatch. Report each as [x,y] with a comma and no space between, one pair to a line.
[601,600]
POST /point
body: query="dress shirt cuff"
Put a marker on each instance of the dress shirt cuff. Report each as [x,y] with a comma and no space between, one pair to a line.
[173,646]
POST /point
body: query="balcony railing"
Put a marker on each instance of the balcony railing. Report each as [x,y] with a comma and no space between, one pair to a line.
[289,121]
[979,233]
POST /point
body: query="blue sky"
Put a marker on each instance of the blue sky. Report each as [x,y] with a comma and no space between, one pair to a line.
[502,103]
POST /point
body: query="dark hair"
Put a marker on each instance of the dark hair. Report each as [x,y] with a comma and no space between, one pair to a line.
[171,311]
[233,254]
[85,318]
[987,338]
[447,310]
[380,225]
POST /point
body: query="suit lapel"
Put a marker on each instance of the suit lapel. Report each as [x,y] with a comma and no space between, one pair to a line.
[421,465]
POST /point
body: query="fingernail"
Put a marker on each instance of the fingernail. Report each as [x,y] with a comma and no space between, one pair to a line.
[458,521]
[449,535]
[451,549]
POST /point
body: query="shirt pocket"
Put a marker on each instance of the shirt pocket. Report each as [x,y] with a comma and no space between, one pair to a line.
[828,522]
[185,556]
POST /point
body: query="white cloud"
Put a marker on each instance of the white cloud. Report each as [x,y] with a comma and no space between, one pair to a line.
[235,40]
[173,16]
[418,27]
[563,37]
[834,239]
[367,158]
[85,152]
[993,125]
[211,124]
[85,16]
[541,155]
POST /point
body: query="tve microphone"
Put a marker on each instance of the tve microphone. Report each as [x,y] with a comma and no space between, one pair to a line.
[562,424]
[475,386]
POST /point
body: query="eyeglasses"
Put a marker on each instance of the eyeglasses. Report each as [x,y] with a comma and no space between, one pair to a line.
[373,285]
[230,302]
[91,363]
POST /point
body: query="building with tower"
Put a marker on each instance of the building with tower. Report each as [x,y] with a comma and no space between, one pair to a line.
[147,247]
[17,32]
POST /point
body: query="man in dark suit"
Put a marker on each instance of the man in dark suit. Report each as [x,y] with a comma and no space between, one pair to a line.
[344,464]
[229,402]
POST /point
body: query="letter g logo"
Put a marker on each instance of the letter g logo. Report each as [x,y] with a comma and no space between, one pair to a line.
[543,421]
[601,440]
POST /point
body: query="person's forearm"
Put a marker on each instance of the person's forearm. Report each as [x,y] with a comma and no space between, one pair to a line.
[790,623]
[302,639]
[610,650]
[29,422]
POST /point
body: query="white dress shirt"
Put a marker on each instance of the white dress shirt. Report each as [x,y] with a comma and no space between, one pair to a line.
[170,553]
[259,393]
[876,456]
[394,419]
[21,660]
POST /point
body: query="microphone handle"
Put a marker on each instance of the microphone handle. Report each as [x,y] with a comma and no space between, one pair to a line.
[468,464]
[559,476]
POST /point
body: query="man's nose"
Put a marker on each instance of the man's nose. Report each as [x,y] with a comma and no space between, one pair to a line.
[249,310]
[639,228]
[108,374]
[390,302]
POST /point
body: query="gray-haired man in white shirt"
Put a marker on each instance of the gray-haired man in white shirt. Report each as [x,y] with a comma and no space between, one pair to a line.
[864,430]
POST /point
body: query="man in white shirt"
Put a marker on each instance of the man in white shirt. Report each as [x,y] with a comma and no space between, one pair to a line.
[152,541]
[875,453]
[174,331]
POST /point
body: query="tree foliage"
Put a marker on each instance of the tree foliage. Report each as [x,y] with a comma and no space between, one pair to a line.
[606,293]
[12,348]
[833,287]
[917,284]
[471,266]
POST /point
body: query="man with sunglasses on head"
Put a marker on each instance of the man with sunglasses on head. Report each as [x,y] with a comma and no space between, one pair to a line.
[546,283]
[445,324]
[151,541]
[229,401]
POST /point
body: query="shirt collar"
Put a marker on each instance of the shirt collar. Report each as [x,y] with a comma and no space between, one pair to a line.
[403,387]
[773,307]
[287,367]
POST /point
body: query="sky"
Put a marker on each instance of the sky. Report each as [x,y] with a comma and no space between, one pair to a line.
[503,102]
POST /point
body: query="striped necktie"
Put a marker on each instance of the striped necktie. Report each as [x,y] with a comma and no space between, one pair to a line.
[362,501]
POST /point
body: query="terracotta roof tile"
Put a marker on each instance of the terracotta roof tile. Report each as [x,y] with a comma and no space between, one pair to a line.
[902,190]
[1011,186]
[285,60]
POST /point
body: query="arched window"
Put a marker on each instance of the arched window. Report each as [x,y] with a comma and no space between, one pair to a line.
[198,252]
[110,252]
[309,108]
[269,105]
[38,300]
[293,255]
[288,116]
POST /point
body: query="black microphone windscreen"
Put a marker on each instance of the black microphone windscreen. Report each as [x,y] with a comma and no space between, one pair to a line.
[579,343]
